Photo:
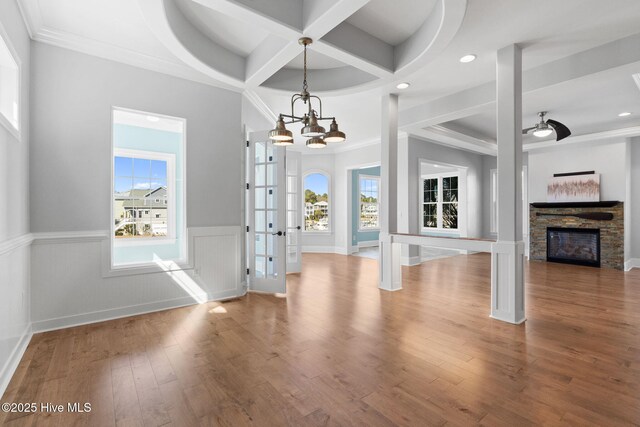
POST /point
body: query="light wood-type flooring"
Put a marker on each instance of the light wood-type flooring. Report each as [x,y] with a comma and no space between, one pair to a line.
[338,351]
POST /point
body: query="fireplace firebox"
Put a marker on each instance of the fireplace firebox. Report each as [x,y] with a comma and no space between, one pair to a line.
[579,246]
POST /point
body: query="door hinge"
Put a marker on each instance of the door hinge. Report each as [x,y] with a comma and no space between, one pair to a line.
[247,271]
[247,228]
[247,143]
[247,185]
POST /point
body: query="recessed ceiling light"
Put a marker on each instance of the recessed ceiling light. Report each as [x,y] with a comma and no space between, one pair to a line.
[153,118]
[403,85]
[625,114]
[468,58]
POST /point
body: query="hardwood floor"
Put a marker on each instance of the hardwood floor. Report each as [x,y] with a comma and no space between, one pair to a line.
[337,351]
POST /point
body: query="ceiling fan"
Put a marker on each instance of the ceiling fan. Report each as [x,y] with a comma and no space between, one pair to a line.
[545,128]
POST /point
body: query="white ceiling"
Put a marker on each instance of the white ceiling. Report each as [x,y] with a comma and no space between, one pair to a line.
[359,37]
[233,34]
[392,21]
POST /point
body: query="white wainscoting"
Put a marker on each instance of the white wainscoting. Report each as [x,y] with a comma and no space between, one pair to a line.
[69,287]
[15,325]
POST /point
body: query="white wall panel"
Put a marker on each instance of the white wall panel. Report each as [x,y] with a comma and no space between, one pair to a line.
[69,287]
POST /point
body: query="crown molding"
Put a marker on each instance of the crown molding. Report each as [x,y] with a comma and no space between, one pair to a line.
[443,136]
[31,15]
[260,105]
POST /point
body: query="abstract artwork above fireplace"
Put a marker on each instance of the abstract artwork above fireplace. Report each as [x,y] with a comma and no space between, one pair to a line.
[574,188]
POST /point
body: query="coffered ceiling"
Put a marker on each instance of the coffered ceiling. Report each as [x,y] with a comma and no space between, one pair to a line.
[363,48]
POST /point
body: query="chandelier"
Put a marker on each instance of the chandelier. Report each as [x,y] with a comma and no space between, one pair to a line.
[317,135]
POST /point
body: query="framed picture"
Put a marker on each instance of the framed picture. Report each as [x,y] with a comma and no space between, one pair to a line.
[574,188]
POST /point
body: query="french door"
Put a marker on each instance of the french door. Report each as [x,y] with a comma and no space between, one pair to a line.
[294,211]
[266,219]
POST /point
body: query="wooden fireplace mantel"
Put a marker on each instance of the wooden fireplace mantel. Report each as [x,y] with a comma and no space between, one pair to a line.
[556,205]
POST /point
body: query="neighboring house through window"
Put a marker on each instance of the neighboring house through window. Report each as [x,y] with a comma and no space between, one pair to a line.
[316,202]
[148,201]
[369,190]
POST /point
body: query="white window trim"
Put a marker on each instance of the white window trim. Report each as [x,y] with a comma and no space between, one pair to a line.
[329,229]
[16,131]
[374,178]
[170,159]
[439,229]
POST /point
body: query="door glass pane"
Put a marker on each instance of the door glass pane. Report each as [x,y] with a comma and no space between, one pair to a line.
[272,200]
[272,170]
[260,198]
[260,267]
[291,184]
[272,221]
[272,267]
[260,221]
[292,255]
[291,202]
[272,248]
[261,244]
[292,237]
[260,175]
[260,152]
[291,219]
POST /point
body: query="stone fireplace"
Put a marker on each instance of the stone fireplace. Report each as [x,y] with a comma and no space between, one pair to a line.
[556,235]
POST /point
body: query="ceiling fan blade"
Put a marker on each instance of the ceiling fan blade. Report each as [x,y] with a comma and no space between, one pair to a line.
[527,130]
[561,130]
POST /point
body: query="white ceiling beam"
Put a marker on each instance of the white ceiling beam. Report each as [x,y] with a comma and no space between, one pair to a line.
[359,49]
[322,16]
[444,136]
[481,98]
[287,23]
[268,58]
[277,51]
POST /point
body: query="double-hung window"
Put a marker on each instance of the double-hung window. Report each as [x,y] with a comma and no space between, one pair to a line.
[440,202]
[369,193]
[148,193]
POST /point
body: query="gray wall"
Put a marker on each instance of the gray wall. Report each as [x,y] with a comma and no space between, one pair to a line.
[635,199]
[14,210]
[72,96]
[419,149]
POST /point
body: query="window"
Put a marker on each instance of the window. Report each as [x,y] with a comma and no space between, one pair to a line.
[316,202]
[9,86]
[369,189]
[148,207]
[139,177]
[440,202]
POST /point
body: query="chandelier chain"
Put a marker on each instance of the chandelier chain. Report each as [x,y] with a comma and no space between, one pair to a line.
[304,82]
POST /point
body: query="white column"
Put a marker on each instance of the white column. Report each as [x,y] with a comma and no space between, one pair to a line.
[390,268]
[507,263]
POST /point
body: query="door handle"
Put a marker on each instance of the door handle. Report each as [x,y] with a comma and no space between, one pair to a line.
[298,227]
[279,233]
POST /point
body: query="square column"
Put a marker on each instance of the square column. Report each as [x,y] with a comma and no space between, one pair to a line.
[390,269]
[507,264]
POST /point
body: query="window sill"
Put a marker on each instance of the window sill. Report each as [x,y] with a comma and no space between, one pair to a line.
[366,230]
[321,233]
[146,268]
[126,243]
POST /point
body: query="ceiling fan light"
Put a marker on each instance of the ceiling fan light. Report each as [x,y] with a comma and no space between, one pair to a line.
[334,134]
[280,135]
[316,143]
[541,133]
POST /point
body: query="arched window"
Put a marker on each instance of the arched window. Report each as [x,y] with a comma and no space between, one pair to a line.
[317,202]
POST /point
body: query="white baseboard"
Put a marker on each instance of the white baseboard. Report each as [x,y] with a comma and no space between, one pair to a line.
[14,360]
[118,313]
[632,263]
[368,244]
[320,249]
[410,261]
